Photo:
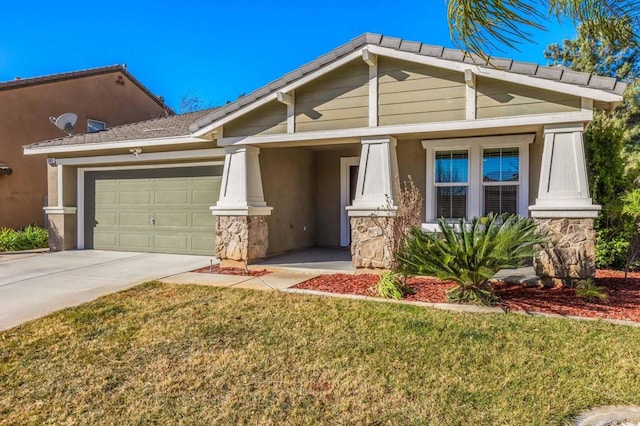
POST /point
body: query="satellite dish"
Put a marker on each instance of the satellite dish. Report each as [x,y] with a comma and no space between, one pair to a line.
[65,122]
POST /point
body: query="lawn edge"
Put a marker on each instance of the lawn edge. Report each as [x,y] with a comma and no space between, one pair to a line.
[457,307]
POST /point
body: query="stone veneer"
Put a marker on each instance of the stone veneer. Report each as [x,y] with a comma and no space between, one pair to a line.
[241,238]
[571,254]
[370,247]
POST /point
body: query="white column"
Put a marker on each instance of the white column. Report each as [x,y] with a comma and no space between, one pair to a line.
[241,191]
[378,172]
[564,188]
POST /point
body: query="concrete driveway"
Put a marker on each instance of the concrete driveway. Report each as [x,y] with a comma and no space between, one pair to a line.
[33,286]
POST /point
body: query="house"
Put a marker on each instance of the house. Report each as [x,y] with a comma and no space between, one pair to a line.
[101,98]
[309,158]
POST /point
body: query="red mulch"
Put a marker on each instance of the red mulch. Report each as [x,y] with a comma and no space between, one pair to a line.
[216,269]
[624,295]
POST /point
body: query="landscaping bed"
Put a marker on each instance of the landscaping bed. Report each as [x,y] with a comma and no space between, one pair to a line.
[228,270]
[624,295]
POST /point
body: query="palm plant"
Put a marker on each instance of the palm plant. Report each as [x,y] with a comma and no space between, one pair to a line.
[472,254]
[480,25]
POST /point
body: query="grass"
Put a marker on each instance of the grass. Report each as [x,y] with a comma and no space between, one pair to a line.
[185,354]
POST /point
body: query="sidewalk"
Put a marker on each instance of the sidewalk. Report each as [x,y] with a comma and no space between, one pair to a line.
[276,279]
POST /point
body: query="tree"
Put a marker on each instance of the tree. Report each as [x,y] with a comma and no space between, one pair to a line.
[477,26]
[609,137]
[190,102]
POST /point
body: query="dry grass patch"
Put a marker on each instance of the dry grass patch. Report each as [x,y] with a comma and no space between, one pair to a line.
[165,354]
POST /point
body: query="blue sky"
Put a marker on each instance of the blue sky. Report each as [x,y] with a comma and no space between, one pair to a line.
[215,50]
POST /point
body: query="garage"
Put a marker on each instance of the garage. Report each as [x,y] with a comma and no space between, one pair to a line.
[158,210]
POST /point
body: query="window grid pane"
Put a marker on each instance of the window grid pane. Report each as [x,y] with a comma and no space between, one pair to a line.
[501,199]
[501,165]
[452,167]
[451,202]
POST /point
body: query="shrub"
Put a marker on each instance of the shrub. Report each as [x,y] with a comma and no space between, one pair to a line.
[471,255]
[392,286]
[587,289]
[30,237]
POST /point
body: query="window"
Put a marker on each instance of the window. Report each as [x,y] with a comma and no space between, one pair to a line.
[500,180]
[452,182]
[473,176]
[95,126]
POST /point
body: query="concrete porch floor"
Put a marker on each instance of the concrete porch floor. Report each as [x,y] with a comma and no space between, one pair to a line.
[319,259]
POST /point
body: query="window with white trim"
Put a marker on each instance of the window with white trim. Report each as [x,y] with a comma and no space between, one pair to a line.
[471,176]
[451,179]
[94,126]
[500,180]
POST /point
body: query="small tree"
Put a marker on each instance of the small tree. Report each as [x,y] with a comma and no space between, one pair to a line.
[631,211]
[471,254]
[408,214]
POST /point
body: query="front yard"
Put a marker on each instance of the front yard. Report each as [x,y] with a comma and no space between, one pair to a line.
[166,353]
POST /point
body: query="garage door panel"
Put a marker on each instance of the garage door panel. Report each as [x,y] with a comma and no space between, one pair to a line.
[133,240]
[172,197]
[176,220]
[135,198]
[107,218]
[203,220]
[106,198]
[203,243]
[172,242]
[154,210]
[106,239]
[135,219]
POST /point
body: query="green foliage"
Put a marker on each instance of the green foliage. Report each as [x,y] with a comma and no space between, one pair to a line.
[611,249]
[391,286]
[30,237]
[588,289]
[471,254]
[476,25]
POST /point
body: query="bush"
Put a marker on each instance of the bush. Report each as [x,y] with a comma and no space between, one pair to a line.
[471,255]
[588,289]
[392,286]
[30,237]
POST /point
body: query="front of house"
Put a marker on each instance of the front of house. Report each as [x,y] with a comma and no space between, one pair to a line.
[308,159]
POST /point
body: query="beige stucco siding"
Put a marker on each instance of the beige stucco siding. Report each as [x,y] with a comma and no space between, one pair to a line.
[502,99]
[413,93]
[337,100]
[535,162]
[267,119]
[328,194]
[412,161]
[288,178]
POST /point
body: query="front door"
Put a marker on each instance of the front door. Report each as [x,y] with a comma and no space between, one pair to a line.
[349,167]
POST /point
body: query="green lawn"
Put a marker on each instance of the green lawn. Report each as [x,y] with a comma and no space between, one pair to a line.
[165,354]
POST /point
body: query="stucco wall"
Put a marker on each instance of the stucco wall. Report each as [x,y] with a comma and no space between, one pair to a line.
[328,193]
[414,93]
[288,179]
[24,119]
[412,161]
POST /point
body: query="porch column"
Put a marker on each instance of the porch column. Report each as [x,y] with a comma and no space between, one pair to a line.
[61,211]
[373,209]
[564,209]
[241,212]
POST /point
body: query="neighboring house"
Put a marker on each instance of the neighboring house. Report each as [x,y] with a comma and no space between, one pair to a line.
[306,160]
[101,98]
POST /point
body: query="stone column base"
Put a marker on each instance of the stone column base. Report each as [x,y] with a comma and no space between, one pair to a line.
[571,255]
[241,238]
[370,247]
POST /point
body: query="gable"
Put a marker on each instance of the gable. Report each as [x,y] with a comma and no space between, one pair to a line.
[497,98]
[337,100]
[268,119]
[411,93]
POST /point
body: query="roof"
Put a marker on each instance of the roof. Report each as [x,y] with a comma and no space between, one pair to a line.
[163,127]
[5,170]
[559,74]
[52,78]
